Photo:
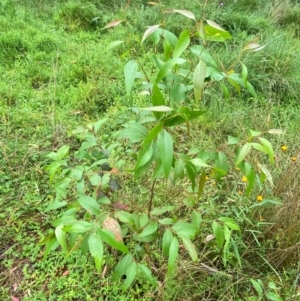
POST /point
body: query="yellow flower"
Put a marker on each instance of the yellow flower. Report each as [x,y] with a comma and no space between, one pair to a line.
[206,178]
[259,198]
[240,192]
[237,168]
[284,148]
[244,179]
[294,159]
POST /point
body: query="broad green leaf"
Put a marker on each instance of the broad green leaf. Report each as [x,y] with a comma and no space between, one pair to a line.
[178,170]
[130,275]
[162,210]
[135,133]
[218,233]
[250,174]
[257,287]
[268,175]
[130,71]
[146,273]
[268,146]
[167,50]
[166,242]
[237,81]
[173,254]
[51,245]
[233,140]
[221,166]
[254,133]
[183,12]
[65,219]
[89,204]
[244,74]
[196,219]
[225,90]
[266,202]
[167,67]
[95,179]
[213,33]
[236,250]
[273,296]
[215,25]
[190,247]
[78,227]
[191,172]
[61,238]
[112,45]
[109,238]
[178,94]
[122,267]
[149,229]
[168,36]
[198,80]
[234,84]
[158,171]
[166,221]
[144,156]
[259,147]
[198,162]
[158,109]
[182,43]
[97,125]
[157,100]
[143,220]
[60,154]
[201,184]
[185,229]
[165,148]
[149,31]
[202,52]
[126,217]
[243,153]
[56,205]
[230,223]
[96,250]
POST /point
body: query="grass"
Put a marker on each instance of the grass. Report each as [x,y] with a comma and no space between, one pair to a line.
[55,76]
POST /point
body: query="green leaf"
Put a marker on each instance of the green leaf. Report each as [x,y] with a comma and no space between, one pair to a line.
[268,147]
[185,229]
[225,90]
[178,94]
[257,287]
[221,166]
[267,173]
[56,205]
[243,153]
[266,202]
[157,100]
[215,34]
[219,234]
[144,156]
[135,133]
[166,221]
[183,12]
[149,229]
[95,179]
[236,250]
[126,217]
[51,245]
[122,267]
[230,223]
[158,109]
[112,45]
[178,170]
[250,174]
[108,237]
[61,238]
[60,154]
[196,219]
[233,140]
[244,74]
[165,148]
[143,220]
[130,275]
[190,247]
[200,50]
[149,31]
[167,67]
[198,162]
[78,227]
[167,50]
[273,296]
[166,242]
[254,133]
[162,210]
[147,274]
[89,204]
[130,71]
[259,147]
[182,43]
[234,84]
[173,254]
[96,250]
[202,181]
[198,80]
[191,172]
[275,131]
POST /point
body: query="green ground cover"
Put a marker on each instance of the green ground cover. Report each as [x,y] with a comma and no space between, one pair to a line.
[57,75]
